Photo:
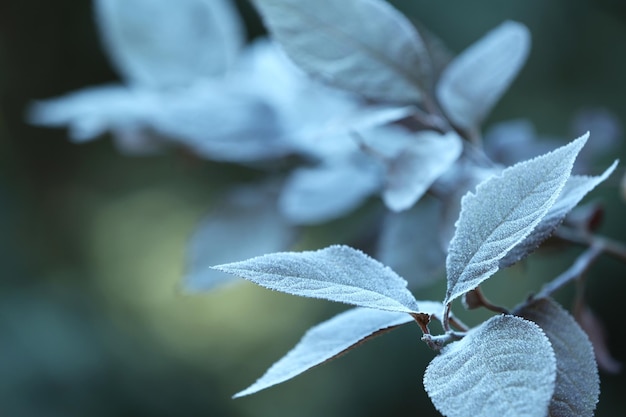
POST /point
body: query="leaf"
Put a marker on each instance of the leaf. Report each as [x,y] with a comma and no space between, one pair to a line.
[327,341]
[501,213]
[577,383]
[597,333]
[221,123]
[91,112]
[336,273]
[475,80]
[224,235]
[505,366]
[365,46]
[408,243]
[361,118]
[160,43]
[330,190]
[412,172]
[573,192]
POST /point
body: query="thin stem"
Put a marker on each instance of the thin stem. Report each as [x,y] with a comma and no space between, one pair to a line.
[578,268]
[439,341]
[458,324]
[431,121]
[446,318]
[480,300]
[610,246]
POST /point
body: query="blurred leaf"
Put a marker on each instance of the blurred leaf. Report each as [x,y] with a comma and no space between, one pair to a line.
[505,366]
[406,243]
[336,273]
[94,111]
[577,383]
[365,46]
[225,236]
[330,190]
[219,122]
[159,43]
[411,172]
[597,334]
[502,213]
[475,80]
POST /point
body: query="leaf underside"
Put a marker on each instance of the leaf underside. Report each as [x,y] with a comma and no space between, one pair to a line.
[224,236]
[327,341]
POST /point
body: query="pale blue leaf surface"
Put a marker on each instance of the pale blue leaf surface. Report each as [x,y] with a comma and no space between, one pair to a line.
[575,189]
[221,122]
[417,166]
[327,341]
[330,190]
[502,212]
[512,141]
[504,367]
[577,383]
[375,52]
[163,43]
[336,273]
[93,111]
[475,80]
[408,243]
[245,223]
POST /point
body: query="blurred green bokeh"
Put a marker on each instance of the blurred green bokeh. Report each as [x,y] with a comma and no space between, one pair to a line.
[92,319]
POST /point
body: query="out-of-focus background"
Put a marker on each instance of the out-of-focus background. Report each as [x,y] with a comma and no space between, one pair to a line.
[92,243]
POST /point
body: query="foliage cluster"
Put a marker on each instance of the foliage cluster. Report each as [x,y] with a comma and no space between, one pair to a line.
[374,106]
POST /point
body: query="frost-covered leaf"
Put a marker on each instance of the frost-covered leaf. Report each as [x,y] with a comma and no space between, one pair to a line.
[577,383]
[365,46]
[336,273]
[502,212]
[225,236]
[475,80]
[573,192]
[327,341]
[417,166]
[161,43]
[504,367]
[330,190]
[408,243]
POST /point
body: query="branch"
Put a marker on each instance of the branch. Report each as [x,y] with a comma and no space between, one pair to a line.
[578,268]
[610,246]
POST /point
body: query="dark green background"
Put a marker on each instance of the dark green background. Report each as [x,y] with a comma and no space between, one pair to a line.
[92,243]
